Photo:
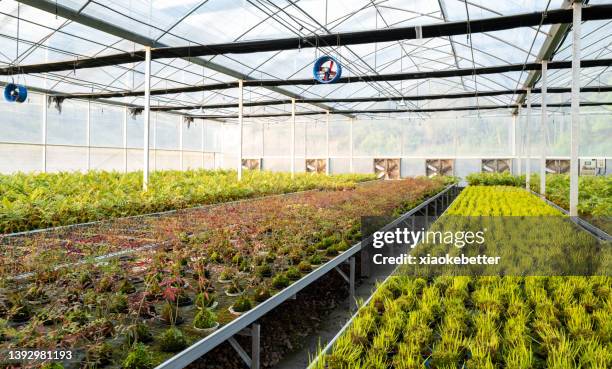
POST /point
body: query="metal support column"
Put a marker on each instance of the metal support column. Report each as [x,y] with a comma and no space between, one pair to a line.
[181,122]
[292,138]
[44,133]
[88,134]
[203,146]
[352,301]
[350,279]
[575,131]
[305,146]
[544,129]
[125,151]
[328,166]
[528,141]
[351,143]
[252,361]
[255,346]
[147,117]
[516,138]
[241,124]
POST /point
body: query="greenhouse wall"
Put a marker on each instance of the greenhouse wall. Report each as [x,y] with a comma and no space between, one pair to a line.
[92,136]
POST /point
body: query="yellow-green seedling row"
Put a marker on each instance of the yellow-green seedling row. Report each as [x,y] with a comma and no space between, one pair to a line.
[482,322]
[32,201]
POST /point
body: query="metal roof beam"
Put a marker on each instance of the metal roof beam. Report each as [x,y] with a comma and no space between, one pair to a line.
[596,12]
[68,13]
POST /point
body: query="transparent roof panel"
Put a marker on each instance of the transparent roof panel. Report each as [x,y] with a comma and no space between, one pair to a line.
[45,37]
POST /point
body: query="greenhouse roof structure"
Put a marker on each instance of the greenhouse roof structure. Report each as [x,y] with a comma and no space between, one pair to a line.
[40,32]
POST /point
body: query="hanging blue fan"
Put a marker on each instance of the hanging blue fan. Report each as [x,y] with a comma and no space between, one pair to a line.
[15,93]
[327,70]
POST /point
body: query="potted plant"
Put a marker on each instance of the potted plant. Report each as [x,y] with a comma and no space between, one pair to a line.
[118,303]
[226,276]
[138,358]
[235,289]
[262,293]
[264,270]
[241,305]
[304,266]
[205,300]
[316,259]
[98,355]
[138,332]
[172,340]
[293,274]
[295,257]
[205,321]
[105,284]
[216,258]
[125,286]
[280,281]
[170,314]
[36,295]
[244,267]
[19,310]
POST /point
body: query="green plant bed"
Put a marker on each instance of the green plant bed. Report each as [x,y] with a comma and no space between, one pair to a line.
[189,252]
[68,198]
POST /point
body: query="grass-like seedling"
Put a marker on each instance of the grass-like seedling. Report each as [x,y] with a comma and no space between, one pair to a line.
[487,322]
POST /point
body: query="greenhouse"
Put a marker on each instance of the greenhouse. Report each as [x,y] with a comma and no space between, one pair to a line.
[285,184]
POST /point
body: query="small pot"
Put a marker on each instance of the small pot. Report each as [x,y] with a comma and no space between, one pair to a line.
[233,294]
[207,330]
[213,306]
[236,313]
[179,320]
[184,301]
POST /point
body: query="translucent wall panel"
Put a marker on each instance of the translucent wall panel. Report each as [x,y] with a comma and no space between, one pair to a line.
[339,138]
[167,131]
[595,133]
[68,127]
[62,159]
[301,130]
[277,164]
[230,136]
[22,122]
[135,131]
[277,139]
[430,137]
[252,136]
[213,136]
[20,158]
[339,166]
[413,167]
[381,138]
[134,160]
[463,167]
[107,159]
[363,165]
[192,135]
[482,136]
[212,161]
[192,160]
[106,125]
[165,160]
[316,140]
